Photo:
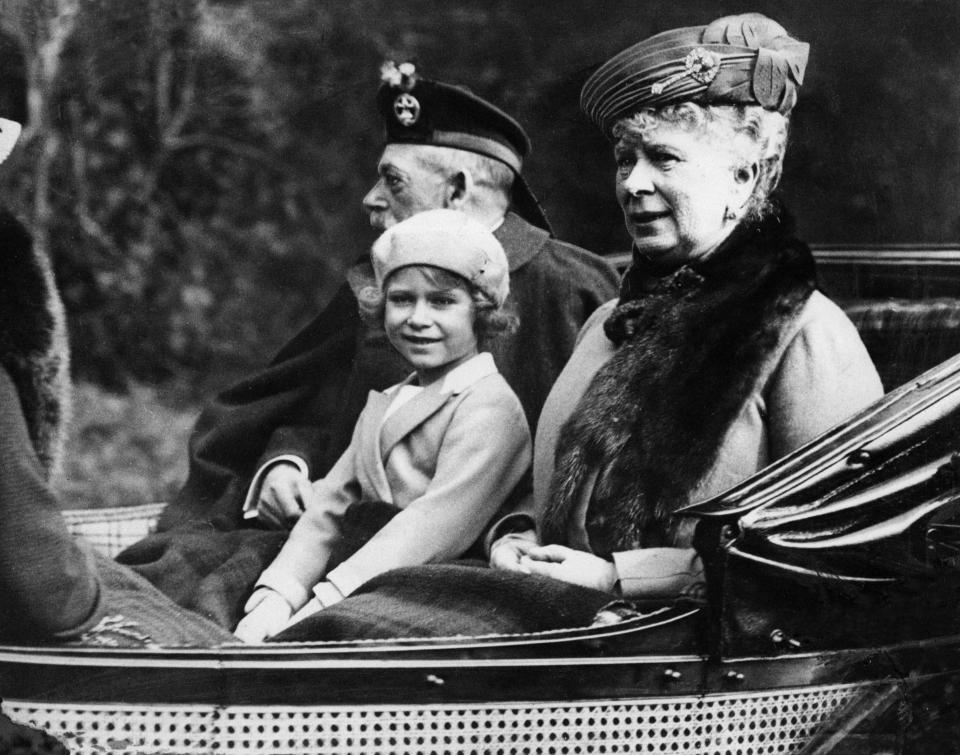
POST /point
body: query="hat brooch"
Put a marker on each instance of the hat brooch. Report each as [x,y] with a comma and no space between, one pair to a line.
[406,107]
[701,65]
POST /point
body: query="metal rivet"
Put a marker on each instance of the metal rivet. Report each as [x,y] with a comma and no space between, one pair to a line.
[728,532]
[859,458]
[435,680]
[671,675]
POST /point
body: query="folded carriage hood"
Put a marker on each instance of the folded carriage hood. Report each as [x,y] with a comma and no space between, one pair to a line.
[852,541]
[876,498]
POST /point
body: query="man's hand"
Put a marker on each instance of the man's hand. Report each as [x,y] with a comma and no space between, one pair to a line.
[569,565]
[507,552]
[284,494]
[267,614]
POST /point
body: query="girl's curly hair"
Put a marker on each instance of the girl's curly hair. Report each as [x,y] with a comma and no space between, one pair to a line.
[489,323]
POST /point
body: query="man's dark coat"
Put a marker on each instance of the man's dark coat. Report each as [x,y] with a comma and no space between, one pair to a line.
[308,399]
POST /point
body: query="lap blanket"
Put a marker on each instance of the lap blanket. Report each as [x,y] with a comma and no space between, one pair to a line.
[135,614]
[213,571]
[208,571]
[447,600]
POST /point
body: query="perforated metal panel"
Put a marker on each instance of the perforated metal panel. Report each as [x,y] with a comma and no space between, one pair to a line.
[749,724]
[111,530]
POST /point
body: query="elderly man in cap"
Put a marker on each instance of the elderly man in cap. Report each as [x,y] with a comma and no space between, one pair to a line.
[257,444]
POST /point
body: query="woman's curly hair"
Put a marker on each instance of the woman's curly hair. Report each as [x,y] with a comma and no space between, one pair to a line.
[489,323]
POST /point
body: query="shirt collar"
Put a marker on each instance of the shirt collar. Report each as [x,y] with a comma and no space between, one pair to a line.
[464,375]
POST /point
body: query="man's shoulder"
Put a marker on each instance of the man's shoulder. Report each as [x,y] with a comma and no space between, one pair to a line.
[574,266]
[546,256]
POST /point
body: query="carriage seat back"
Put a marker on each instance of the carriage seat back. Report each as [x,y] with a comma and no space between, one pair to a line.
[906,337]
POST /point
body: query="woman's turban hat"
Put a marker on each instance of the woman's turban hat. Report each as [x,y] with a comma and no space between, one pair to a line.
[745,59]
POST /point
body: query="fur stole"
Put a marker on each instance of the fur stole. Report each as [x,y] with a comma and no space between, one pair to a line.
[33,340]
[690,352]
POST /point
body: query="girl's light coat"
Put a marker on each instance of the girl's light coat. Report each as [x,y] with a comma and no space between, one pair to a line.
[448,458]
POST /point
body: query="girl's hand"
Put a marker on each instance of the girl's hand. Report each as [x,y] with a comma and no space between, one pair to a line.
[325,595]
[313,605]
[569,565]
[507,552]
[267,613]
[284,494]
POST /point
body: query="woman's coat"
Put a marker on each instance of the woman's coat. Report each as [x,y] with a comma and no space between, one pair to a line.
[717,371]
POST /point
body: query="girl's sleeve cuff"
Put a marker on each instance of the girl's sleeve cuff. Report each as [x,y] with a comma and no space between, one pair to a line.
[287,586]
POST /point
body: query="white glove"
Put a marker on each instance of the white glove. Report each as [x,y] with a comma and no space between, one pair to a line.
[313,605]
[325,594]
[267,614]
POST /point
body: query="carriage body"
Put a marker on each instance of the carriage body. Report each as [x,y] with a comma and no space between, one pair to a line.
[785,654]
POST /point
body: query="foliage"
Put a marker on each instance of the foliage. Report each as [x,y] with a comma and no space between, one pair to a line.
[125,449]
[195,167]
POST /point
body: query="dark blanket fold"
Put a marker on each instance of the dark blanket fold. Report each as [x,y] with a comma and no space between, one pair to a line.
[446,600]
[213,571]
[208,571]
[136,614]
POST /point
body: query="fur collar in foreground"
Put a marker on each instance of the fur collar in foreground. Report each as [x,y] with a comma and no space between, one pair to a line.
[33,340]
[691,351]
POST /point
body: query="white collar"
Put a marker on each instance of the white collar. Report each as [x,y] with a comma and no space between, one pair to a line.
[460,377]
[464,375]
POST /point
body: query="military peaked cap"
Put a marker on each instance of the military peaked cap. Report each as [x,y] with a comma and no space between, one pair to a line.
[416,110]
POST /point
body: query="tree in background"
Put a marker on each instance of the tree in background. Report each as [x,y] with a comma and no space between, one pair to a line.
[196,167]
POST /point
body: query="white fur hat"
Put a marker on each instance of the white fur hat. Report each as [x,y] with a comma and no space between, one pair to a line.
[449,240]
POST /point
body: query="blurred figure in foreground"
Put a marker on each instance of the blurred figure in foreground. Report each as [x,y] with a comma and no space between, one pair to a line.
[53,587]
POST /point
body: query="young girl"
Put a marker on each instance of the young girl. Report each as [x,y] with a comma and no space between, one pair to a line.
[445,447]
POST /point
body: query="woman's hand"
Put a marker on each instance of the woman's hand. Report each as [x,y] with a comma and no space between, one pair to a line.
[267,613]
[284,494]
[507,552]
[569,565]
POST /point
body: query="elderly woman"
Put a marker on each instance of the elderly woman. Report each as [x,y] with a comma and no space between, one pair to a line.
[720,355]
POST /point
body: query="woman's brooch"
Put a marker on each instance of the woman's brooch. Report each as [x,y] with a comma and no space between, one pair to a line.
[700,65]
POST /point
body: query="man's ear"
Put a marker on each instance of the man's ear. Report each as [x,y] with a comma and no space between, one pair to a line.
[459,189]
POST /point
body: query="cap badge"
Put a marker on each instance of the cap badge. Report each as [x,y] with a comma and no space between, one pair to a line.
[700,65]
[406,108]
[403,76]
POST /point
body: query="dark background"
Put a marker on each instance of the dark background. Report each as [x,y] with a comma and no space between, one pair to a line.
[196,169]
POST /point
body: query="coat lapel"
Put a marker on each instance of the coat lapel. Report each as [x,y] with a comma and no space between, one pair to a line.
[411,415]
[428,402]
[372,418]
